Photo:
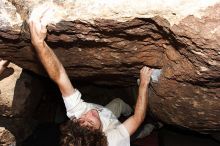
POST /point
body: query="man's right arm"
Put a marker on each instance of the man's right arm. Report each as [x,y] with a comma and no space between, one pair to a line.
[55,69]
[72,97]
[49,60]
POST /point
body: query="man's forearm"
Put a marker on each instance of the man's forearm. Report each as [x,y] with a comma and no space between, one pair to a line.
[49,61]
[47,57]
[142,102]
[133,122]
[54,68]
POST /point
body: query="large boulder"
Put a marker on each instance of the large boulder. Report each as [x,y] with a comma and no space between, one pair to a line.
[107,42]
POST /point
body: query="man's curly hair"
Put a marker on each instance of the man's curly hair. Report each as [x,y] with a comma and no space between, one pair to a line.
[73,134]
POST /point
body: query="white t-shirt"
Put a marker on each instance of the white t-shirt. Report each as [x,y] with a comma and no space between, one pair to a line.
[116,133]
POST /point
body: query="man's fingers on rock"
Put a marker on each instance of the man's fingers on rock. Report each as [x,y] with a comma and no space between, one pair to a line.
[36,27]
[44,12]
[43,29]
[150,72]
[141,70]
[146,69]
[32,27]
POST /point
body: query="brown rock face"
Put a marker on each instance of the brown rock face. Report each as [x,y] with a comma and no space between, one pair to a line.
[26,99]
[111,51]
[16,105]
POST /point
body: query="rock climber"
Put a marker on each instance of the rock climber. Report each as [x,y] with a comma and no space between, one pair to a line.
[90,124]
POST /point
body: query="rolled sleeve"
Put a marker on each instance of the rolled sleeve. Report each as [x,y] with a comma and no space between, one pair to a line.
[75,106]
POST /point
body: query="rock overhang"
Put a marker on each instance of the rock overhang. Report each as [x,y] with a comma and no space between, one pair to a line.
[109,41]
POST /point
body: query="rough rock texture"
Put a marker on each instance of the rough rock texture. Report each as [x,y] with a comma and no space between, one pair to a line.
[108,42]
[15,108]
[7,86]
[6,138]
[24,102]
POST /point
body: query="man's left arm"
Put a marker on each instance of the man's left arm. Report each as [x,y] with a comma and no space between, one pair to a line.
[133,122]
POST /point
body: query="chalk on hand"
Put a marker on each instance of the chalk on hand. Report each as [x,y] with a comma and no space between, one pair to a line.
[43,13]
[154,76]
